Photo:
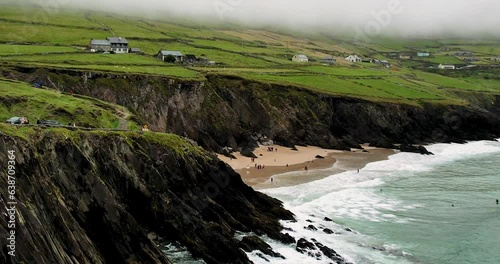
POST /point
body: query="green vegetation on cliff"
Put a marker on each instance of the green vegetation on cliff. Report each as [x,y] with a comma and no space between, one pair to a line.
[20,99]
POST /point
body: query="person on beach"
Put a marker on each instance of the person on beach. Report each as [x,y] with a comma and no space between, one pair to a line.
[305,168]
[358,171]
[497,201]
[263,166]
[272,179]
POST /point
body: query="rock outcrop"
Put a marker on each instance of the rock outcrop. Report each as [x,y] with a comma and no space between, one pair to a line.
[415,149]
[224,111]
[317,250]
[251,243]
[94,197]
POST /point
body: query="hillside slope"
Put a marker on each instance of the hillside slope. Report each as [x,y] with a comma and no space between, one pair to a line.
[92,197]
[228,111]
[21,99]
[253,53]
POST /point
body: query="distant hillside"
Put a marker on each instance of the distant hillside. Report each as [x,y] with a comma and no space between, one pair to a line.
[61,40]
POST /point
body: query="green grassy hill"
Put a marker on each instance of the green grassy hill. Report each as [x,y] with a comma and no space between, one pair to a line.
[60,42]
[20,99]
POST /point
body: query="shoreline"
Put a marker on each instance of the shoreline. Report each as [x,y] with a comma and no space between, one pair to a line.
[287,167]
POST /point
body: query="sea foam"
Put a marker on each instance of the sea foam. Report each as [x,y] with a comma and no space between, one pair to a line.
[360,196]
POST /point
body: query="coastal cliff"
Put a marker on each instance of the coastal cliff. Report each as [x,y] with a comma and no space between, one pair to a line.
[93,197]
[224,111]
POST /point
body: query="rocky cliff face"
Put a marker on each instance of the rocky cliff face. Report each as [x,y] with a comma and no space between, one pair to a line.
[233,112]
[92,197]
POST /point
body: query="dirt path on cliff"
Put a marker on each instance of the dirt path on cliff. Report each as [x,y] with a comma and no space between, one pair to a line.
[123,116]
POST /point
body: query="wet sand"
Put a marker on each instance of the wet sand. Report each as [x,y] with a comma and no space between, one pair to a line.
[277,174]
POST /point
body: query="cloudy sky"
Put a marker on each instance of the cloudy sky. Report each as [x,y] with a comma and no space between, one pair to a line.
[426,17]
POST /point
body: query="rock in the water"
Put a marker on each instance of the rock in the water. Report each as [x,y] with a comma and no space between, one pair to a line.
[319,157]
[413,149]
[314,248]
[330,253]
[251,243]
[262,256]
[311,227]
[294,148]
[303,246]
[310,221]
[328,231]
[348,229]
[284,238]
[328,219]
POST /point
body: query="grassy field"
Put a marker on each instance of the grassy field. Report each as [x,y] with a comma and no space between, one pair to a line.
[444,60]
[20,99]
[262,55]
[32,49]
[88,59]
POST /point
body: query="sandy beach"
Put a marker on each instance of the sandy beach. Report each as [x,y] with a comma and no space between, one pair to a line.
[286,167]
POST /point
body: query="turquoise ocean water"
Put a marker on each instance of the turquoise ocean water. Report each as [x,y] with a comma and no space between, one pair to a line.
[408,209]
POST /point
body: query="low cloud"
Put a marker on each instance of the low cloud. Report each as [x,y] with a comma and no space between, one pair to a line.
[413,18]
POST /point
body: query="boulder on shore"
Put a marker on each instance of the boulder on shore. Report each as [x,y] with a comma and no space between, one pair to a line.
[383,143]
[414,149]
[248,153]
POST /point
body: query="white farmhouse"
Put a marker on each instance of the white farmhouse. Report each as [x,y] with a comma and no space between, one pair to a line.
[118,44]
[300,58]
[353,58]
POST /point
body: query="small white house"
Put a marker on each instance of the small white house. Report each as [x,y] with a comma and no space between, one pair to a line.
[118,44]
[162,54]
[300,58]
[423,54]
[328,60]
[446,67]
[497,59]
[353,58]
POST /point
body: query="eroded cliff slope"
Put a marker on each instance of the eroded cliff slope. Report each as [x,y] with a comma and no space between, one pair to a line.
[225,111]
[92,197]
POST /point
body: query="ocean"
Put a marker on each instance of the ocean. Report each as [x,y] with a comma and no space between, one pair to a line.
[408,209]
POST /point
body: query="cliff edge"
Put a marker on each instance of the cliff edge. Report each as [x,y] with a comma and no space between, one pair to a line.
[93,197]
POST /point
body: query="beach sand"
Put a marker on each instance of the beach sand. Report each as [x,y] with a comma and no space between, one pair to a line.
[276,168]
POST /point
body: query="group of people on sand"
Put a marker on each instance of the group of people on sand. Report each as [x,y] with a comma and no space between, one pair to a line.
[257,166]
[272,149]
[260,167]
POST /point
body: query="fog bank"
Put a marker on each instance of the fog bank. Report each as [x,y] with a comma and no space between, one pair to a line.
[402,17]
